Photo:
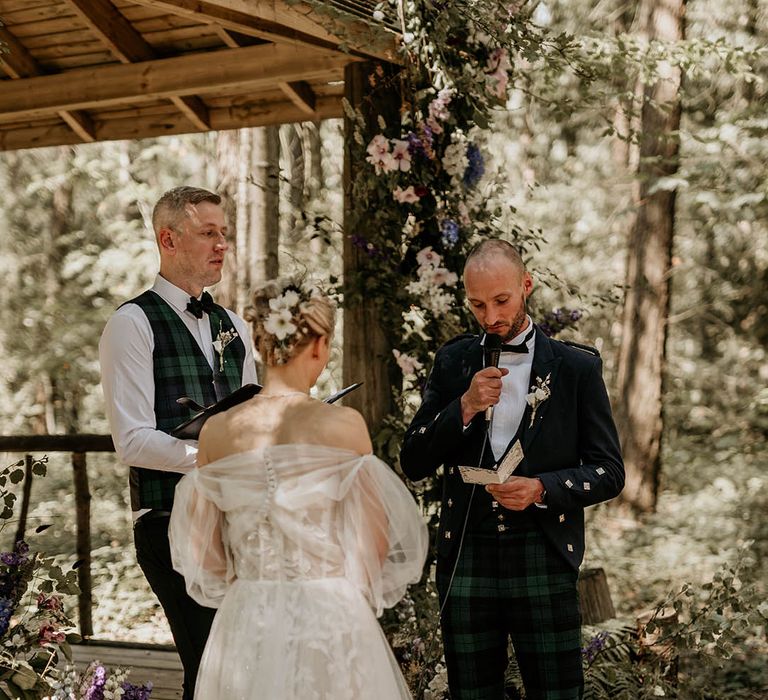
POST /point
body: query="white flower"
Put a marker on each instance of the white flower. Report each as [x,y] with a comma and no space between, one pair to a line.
[409,365]
[280,324]
[378,16]
[405,196]
[455,159]
[427,256]
[401,155]
[537,395]
[443,276]
[291,298]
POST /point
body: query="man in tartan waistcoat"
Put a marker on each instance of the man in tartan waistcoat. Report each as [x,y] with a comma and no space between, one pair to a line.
[509,554]
[155,349]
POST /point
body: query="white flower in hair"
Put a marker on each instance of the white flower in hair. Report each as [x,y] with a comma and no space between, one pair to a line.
[280,323]
[286,300]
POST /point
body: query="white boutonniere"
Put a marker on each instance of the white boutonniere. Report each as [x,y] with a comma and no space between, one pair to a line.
[223,339]
[539,393]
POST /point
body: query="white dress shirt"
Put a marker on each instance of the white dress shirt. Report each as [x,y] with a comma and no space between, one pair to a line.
[127,378]
[508,412]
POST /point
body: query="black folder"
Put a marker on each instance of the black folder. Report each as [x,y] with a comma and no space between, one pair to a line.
[190,429]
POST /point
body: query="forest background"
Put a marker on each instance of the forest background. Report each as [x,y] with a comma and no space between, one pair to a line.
[76,242]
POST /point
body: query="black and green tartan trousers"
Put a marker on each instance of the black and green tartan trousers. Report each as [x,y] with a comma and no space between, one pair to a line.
[511,585]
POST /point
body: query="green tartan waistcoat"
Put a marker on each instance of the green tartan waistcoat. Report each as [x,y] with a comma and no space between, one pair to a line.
[181,369]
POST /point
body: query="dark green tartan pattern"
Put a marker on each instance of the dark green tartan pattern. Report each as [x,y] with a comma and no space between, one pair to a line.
[511,585]
[180,369]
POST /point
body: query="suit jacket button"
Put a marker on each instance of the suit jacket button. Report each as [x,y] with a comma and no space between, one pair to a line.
[570,547]
[450,470]
[494,504]
[502,528]
[448,535]
[501,516]
[450,502]
[562,518]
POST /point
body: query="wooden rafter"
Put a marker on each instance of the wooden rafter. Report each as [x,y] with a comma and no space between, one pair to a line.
[279,21]
[301,94]
[129,46]
[19,64]
[137,127]
[246,69]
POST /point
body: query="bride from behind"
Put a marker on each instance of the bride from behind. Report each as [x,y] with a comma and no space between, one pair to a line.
[293,529]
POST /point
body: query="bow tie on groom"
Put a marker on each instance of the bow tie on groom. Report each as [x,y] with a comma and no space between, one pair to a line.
[202,305]
[518,347]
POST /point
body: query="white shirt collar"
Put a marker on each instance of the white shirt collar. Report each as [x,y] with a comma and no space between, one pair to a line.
[169,292]
[519,337]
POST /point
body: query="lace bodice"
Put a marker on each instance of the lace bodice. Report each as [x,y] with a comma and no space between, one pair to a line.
[297,513]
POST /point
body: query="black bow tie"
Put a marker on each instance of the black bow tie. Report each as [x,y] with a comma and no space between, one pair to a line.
[202,305]
[518,347]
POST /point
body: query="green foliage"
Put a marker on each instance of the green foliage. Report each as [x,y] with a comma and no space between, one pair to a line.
[34,629]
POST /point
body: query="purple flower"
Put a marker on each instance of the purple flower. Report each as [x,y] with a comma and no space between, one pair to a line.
[450,232]
[365,245]
[96,691]
[558,319]
[475,168]
[595,646]
[6,610]
[18,557]
[136,692]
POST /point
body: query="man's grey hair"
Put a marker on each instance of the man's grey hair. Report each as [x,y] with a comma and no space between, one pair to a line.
[175,204]
[492,249]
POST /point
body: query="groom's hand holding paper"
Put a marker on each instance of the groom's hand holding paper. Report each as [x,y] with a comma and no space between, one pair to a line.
[497,475]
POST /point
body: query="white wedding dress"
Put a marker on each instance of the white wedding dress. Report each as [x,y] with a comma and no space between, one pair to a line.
[299,547]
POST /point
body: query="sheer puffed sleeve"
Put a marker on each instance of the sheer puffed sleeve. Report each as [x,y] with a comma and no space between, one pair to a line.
[198,542]
[384,535]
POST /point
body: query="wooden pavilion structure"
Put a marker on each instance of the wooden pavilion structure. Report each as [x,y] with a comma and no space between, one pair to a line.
[81,71]
[78,71]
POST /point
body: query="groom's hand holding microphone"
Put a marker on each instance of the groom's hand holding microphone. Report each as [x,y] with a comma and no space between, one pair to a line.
[483,392]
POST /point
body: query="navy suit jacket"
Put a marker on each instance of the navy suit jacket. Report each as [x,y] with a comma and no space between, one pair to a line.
[572,445]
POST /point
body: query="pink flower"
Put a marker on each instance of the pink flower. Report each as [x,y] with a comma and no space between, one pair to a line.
[401,155]
[427,257]
[379,155]
[438,110]
[49,634]
[405,196]
[497,70]
[46,603]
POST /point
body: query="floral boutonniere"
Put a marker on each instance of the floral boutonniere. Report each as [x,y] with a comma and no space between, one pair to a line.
[539,393]
[223,339]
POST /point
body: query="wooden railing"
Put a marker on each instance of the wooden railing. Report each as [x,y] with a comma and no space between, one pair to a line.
[78,446]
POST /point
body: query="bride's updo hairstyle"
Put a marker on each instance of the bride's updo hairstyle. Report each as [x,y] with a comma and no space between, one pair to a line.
[286,315]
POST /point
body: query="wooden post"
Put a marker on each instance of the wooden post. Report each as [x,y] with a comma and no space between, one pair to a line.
[594,597]
[367,352]
[83,516]
[25,496]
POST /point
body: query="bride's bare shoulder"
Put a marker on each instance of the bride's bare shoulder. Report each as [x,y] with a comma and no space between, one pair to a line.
[341,427]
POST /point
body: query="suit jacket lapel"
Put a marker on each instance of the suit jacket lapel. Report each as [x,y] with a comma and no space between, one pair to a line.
[544,363]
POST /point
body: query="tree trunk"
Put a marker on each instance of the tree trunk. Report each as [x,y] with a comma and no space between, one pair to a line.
[264,237]
[646,305]
[293,146]
[229,159]
[367,353]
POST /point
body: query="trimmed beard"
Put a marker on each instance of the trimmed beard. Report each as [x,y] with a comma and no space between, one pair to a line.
[517,322]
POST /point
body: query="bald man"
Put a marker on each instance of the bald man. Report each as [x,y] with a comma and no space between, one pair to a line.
[509,554]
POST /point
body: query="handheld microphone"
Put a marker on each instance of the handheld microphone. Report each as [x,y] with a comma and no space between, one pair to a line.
[492,357]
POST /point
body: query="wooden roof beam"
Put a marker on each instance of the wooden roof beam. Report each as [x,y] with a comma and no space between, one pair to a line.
[281,21]
[129,46]
[138,127]
[19,64]
[251,68]
[301,94]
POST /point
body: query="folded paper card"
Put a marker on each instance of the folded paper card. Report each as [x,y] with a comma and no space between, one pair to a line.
[499,473]
[190,429]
